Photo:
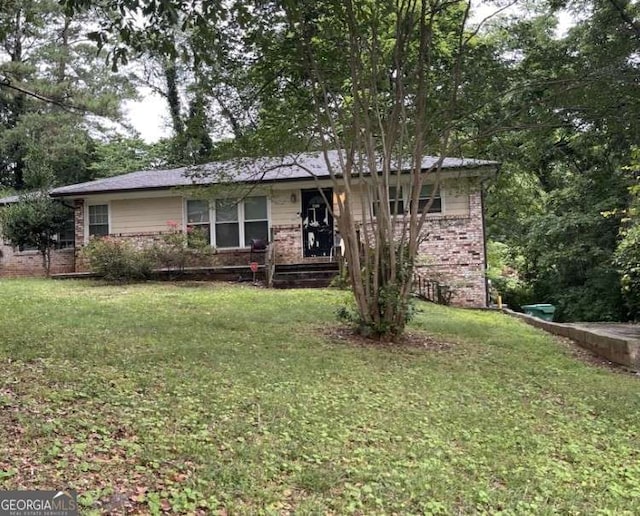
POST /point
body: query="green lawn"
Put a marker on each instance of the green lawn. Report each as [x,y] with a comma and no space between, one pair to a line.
[185,399]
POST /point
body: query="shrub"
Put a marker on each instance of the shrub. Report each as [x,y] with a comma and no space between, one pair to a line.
[118,260]
[171,251]
[177,248]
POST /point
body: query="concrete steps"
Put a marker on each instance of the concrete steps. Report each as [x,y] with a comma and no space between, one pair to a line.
[305,275]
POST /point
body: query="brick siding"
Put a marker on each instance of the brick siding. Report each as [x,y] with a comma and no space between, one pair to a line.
[453,253]
[14,263]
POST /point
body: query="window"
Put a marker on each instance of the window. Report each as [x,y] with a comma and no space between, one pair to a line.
[425,196]
[198,219]
[256,223]
[227,225]
[99,220]
[235,223]
[396,202]
[67,236]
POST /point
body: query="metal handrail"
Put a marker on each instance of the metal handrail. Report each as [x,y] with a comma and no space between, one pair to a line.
[431,290]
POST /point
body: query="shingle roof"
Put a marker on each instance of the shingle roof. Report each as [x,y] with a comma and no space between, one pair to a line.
[285,168]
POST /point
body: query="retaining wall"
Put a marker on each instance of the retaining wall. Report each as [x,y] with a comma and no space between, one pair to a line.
[617,349]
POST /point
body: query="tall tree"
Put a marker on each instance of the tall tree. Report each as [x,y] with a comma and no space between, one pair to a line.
[387,83]
[570,138]
[55,91]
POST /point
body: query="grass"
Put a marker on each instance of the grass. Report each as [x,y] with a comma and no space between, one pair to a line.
[185,399]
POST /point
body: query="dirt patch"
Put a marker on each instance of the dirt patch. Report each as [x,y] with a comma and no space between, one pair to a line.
[410,340]
[588,357]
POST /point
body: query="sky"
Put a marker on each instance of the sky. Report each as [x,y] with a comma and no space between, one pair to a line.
[150,115]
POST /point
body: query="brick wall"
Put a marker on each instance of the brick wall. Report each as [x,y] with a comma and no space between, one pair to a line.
[78,219]
[288,241]
[453,253]
[193,258]
[15,263]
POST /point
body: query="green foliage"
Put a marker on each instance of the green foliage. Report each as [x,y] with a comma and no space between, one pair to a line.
[341,280]
[570,248]
[385,328]
[627,259]
[123,155]
[55,92]
[627,255]
[502,271]
[195,403]
[563,163]
[34,222]
[177,249]
[118,260]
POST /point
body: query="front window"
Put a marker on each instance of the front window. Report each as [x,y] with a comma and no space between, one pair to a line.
[235,223]
[99,220]
[198,224]
[227,224]
[396,202]
[256,223]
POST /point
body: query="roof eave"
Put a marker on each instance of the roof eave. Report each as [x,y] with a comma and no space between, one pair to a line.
[479,168]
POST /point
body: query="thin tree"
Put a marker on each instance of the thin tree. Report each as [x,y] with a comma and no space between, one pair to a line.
[398,104]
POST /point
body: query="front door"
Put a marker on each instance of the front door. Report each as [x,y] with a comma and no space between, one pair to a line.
[317,223]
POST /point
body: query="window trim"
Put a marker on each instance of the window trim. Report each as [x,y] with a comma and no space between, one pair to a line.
[87,232]
[241,220]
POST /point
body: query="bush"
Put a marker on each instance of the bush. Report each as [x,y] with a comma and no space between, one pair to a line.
[627,259]
[118,260]
[176,248]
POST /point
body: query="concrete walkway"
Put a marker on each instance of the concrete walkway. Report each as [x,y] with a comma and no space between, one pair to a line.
[624,331]
[619,343]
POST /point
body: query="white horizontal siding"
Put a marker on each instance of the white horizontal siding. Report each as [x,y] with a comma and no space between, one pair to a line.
[145,215]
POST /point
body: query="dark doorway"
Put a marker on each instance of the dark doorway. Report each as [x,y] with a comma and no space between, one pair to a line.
[317,223]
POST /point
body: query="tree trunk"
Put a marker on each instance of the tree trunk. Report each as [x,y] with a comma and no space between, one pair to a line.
[173,96]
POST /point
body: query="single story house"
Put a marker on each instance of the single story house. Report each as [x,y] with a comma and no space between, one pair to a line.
[280,202]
